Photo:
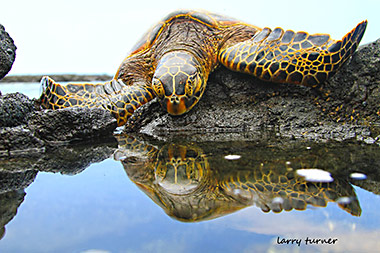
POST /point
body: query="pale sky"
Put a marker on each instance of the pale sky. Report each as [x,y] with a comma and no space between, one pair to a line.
[74,36]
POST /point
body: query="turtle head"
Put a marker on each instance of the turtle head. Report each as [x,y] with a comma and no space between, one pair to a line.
[179,82]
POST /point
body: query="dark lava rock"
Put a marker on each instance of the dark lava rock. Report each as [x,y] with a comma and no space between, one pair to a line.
[345,107]
[14,109]
[18,140]
[72,124]
[7,52]
[24,130]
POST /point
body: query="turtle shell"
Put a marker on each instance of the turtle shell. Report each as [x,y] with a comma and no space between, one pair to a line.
[205,18]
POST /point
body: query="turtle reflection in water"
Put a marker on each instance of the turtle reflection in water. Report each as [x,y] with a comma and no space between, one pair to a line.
[175,58]
[190,186]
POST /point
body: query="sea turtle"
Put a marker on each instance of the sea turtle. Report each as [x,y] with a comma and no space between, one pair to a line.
[174,59]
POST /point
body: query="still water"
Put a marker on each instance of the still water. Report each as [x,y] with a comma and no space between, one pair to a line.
[136,194]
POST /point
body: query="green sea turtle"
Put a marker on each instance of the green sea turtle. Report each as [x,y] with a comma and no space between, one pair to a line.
[174,59]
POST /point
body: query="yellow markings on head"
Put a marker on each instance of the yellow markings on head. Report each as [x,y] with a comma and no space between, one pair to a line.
[158,88]
[178,82]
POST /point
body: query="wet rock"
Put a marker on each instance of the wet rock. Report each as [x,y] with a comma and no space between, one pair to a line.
[17,140]
[15,109]
[72,124]
[24,130]
[342,108]
[7,52]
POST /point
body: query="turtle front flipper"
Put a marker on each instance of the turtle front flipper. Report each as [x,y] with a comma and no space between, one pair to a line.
[288,57]
[115,96]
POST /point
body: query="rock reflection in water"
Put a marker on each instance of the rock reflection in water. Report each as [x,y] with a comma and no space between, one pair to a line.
[9,203]
[18,172]
[12,193]
[191,183]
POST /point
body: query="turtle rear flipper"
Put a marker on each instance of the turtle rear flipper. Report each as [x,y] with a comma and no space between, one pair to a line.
[115,96]
[289,57]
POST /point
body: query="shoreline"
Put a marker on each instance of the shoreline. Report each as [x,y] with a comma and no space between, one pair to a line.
[57,77]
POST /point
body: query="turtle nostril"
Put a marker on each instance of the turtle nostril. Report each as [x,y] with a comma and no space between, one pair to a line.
[174,99]
[175,105]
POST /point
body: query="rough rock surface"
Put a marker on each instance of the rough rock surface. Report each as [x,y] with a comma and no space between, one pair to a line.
[24,129]
[19,139]
[14,109]
[7,52]
[71,124]
[345,107]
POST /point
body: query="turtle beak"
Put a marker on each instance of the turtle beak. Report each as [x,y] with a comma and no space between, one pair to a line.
[176,105]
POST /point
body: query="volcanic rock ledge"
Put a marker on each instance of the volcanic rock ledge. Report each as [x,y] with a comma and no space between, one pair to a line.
[24,128]
[242,107]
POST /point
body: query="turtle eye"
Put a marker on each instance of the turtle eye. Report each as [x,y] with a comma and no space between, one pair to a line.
[158,88]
